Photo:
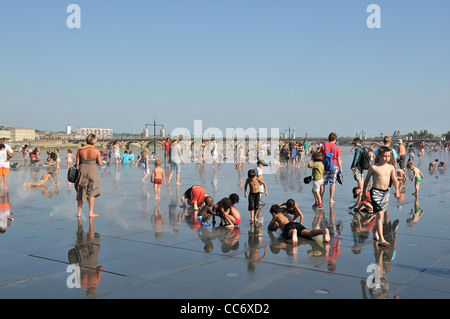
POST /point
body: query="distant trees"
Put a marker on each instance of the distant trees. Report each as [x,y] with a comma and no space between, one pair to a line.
[422,134]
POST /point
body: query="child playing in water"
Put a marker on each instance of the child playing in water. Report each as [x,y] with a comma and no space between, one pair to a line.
[292,230]
[316,163]
[69,158]
[144,160]
[361,205]
[381,173]
[158,177]
[253,182]
[417,178]
[44,179]
[206,212]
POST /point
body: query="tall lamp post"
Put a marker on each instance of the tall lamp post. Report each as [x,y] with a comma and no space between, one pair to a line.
[154,133]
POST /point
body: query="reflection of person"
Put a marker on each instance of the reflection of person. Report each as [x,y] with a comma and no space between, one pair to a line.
[416,213]
[85,254]
[6,217]
[88,184]
[158,221]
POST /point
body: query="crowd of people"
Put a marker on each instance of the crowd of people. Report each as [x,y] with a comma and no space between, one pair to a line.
[375,170]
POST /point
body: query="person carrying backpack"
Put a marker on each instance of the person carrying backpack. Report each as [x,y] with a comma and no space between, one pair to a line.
[332,164]
[361,161]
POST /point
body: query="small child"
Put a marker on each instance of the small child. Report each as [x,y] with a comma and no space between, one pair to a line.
[158,177]
[144,160]
[292,230]
[69,158]
[417,178]
[382,173]
[292,208]
[361,205]
[222,209]
[253,182]
[316,163]
[44,179]
[206,212]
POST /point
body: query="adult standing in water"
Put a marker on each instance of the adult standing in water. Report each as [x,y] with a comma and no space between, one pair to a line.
[87,184]
[176,158]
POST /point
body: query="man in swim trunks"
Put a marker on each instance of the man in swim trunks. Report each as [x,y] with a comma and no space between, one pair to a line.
[290,229]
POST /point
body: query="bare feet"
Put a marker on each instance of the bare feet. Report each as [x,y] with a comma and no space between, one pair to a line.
[92,215]
[383,244]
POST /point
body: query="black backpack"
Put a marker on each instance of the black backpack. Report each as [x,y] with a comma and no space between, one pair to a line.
[364,159]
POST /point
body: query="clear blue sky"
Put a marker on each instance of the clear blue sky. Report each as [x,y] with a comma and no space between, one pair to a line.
[312,65]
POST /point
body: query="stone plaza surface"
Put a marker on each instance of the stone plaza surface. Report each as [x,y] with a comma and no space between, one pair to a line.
[148,250]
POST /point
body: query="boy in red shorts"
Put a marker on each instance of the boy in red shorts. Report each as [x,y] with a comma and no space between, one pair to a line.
[157,178]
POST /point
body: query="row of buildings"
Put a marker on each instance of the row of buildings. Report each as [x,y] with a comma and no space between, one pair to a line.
[22,134]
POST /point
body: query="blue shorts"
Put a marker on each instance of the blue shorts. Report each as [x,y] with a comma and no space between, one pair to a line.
[175,167]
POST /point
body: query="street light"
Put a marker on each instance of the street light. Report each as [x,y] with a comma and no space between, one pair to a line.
[154,133]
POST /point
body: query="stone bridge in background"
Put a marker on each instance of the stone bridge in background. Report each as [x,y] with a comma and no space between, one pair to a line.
[232,144]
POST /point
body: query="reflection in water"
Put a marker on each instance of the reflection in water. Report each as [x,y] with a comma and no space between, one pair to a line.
[255,241]
[158,220]
[85,255]
[6,216]
[416,213]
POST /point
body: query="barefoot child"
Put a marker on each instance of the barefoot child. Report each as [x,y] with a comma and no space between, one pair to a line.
[417,178]
[361,205]
[44,179]
[158,177]
[69,158]
[317,177]
[253,182]
[382,173]
[235,216]
[206,212]
[292,229]
[144,160]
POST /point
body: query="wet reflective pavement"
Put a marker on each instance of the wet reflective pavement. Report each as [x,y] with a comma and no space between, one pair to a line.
[139,248]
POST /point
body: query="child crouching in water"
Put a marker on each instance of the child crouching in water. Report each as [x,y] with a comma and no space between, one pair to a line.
[317,177]
[158,177]
[417,178]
